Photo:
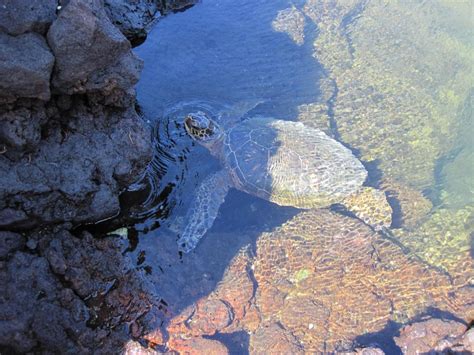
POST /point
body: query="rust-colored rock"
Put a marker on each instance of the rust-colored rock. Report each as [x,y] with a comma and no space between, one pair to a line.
[227,309]
[197,346]
[328,278]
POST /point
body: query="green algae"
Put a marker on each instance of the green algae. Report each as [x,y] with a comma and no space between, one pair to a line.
[444,241]
[400,75]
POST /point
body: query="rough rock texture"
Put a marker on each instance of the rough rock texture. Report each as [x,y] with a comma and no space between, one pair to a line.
[436,336]
[20,16]
[67,159]
[10,242]
[26,63]
[91,53]
[72,295]
[77,171]
[133,17]
[70,142]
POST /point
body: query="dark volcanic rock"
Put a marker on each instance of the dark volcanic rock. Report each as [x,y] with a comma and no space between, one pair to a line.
[29,311]
[78,170]
[91,53]
[176,5]
[20,128]
[9,242]
[133,17]
[74,297]
[20,16]
[25,67]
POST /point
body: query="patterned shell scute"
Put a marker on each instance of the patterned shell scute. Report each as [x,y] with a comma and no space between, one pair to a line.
[290,164]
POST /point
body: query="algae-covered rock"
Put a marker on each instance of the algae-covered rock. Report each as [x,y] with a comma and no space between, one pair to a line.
[291,21]
[444,240]
[412,205]
[458,172]
[401,72]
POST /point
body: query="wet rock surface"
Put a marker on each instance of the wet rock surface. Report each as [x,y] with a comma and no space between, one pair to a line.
[134,18]
[436,336]
[301,290]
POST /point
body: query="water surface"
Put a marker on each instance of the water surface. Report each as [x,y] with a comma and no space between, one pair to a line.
[391,81]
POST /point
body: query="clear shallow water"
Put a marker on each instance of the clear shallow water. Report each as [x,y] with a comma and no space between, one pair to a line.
[370,81]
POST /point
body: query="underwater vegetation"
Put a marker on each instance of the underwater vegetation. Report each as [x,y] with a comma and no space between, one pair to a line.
[401,78]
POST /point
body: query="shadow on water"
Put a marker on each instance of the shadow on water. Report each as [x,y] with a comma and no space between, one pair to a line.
[213,55]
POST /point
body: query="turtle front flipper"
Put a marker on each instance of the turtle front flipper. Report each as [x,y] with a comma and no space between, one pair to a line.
[371,206]
[233,115]
[203,211]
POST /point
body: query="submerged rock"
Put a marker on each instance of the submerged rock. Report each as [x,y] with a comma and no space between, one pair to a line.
[26,63]
[401,76]
[435,336]
[315,285]
[444,240]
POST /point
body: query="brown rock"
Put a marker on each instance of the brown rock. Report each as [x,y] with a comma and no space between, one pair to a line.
[197,346]
[328,278]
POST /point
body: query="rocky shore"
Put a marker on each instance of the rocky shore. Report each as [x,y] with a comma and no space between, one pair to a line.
[70,142]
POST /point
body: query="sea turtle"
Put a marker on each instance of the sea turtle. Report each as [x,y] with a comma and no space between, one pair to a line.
[285,162]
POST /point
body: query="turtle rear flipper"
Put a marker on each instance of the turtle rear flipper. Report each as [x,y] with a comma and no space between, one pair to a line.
[203,211]
[371,206]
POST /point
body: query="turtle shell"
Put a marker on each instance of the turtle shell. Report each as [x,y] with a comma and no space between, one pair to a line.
[290,164]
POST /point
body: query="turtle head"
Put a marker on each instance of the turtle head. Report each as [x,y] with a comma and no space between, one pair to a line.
[202,128]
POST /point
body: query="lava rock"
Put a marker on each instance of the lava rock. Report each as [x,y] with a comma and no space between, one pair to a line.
[133,17]
[25,67]
[73,297]
[177,5]
[91,53]
[72,175]
[9,242]
[20,16]
[20,128]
